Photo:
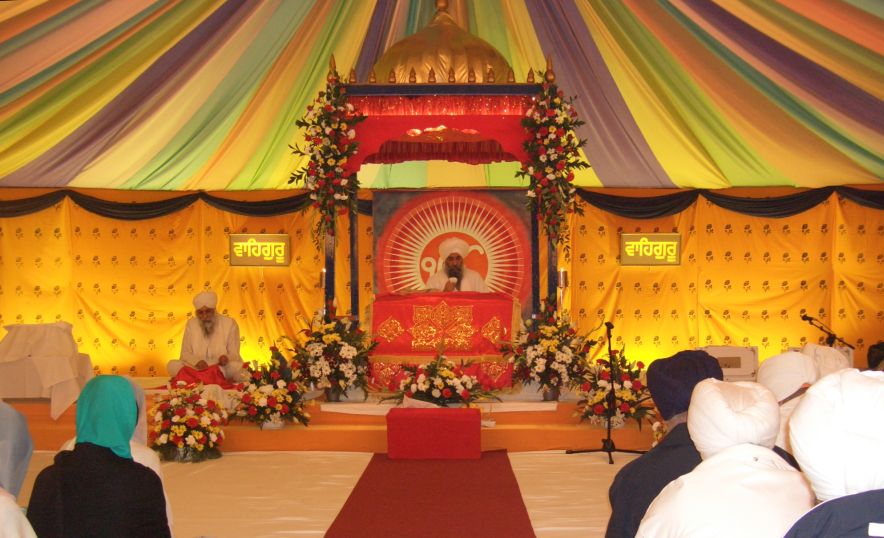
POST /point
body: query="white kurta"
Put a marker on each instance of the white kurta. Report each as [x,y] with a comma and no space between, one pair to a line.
[196,346]
[13,523]
[471,281]
[744,490]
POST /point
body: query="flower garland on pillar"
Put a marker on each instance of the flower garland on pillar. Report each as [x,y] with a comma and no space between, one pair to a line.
[330,141]
[553,156]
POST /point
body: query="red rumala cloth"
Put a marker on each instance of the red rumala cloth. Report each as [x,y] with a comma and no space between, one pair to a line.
[213,375]
[434,433]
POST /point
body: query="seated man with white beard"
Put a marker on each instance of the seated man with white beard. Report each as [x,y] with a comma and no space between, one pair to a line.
[453,275]
[210,346]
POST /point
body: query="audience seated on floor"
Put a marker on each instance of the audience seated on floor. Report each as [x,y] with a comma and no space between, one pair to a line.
[15,454]
[787,375]
[837,435]
[141,453]
[741,488]
[670,382]
[97,489]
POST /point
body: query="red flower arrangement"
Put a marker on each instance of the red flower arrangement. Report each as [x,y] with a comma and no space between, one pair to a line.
[553,150]
[330,141]
[629,393]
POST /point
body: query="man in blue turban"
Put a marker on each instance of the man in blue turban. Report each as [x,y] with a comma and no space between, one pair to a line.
[671,382]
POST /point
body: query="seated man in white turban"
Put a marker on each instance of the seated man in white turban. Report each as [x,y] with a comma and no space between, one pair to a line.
[787,375]
[838,438]
[453,275]
[670,382]
[210,346]
[741,488]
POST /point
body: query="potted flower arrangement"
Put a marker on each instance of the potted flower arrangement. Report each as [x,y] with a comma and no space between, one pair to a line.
[272,394]
[186,426]
[335,355]
[626,401]
[440,382]
[549,352]
[553,155]
[329,143]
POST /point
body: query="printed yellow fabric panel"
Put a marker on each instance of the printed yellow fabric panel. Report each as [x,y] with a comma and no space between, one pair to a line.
[743,280]
[127,286]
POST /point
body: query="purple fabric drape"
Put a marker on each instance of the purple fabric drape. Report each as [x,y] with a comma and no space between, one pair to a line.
[615,146]
[826,86]
[373,44]
[65,160]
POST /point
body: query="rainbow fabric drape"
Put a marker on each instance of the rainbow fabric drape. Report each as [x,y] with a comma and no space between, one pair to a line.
[203,94]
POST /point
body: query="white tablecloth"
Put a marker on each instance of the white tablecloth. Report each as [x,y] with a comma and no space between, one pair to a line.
[41,361]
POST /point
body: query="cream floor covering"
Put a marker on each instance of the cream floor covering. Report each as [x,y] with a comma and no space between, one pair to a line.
[279,494]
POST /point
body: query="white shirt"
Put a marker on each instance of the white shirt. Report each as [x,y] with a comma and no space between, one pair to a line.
[13,523]
[224,340]
[471,281]
[744,490]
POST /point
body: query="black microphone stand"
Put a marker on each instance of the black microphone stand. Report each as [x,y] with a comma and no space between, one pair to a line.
[831,337]
[611,397]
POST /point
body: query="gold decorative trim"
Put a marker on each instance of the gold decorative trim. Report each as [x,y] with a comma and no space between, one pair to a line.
[442,324]
[390,329]
[493,330]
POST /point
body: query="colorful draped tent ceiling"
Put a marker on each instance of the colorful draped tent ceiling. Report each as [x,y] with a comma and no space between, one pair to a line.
[203,94]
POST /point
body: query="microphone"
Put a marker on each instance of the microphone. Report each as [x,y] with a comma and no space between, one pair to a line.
[805,317]
[609,325]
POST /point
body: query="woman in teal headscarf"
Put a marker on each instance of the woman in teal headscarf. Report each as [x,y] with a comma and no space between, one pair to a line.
[97,489]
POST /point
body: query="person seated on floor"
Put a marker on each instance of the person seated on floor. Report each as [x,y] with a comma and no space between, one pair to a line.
[670,382]
[741,488]
[16,447]
[827,359]
[787,375]
[141,453]
[210,346]
[838,438]
[876,357]
[97,489]
[453,275]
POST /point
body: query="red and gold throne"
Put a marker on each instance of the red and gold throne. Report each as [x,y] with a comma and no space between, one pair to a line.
[469,326]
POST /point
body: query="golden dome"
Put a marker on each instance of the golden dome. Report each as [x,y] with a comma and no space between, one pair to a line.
[453,55]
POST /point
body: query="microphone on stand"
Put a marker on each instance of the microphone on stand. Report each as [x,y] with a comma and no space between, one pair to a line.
[805,317]
[609,325]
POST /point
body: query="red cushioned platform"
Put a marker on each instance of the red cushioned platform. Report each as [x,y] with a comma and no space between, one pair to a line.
[442,434]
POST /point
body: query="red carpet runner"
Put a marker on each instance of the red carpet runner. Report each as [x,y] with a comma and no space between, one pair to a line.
[435,498]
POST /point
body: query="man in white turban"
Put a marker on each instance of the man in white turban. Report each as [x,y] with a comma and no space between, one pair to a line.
[742,488]
[453,275]
[210,343]
[837,436]
[787,375]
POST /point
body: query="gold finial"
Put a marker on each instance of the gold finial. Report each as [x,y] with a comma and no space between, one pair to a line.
[431,76]
[549,76]
[332,70]
[441,5]
[352,79]
[489,76]
[530,79]
[372,78]
[392,78]
[412,76]
[471,76]
[451,78]
[510,76]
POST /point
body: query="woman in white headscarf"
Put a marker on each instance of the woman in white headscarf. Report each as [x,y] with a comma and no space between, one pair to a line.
[15,453]
[742,488]
[837,436]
